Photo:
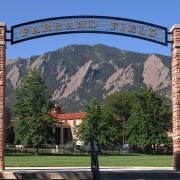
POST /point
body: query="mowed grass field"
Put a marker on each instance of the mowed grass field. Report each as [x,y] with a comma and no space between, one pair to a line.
[84,160]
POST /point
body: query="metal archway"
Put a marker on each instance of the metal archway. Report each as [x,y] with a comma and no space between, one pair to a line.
[89,24]
[95,24]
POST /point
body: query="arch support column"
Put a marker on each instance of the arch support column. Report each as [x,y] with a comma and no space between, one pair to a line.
[2,90]
[175,30]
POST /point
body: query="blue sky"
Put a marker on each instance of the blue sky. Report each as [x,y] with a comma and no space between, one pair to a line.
[161,12]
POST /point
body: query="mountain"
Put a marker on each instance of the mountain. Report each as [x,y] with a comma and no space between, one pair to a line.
[77,73]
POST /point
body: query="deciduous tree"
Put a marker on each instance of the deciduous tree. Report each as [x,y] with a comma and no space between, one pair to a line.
[150,120]
[99,122]
[120,104]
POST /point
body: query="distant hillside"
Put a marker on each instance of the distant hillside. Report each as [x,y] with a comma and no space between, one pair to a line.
[74,74]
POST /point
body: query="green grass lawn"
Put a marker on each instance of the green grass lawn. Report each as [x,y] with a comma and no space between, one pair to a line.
[83,160]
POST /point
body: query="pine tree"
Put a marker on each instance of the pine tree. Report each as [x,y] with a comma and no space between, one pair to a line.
[31,106]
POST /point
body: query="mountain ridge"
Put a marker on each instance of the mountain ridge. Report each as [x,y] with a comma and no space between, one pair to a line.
[76,73]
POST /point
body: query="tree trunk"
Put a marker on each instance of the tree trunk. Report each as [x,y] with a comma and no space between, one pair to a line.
[154,149]
[37,150]
[99,148]
[148,149]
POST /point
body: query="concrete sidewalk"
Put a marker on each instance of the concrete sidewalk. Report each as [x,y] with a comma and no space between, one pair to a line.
[72,173]
[87,168]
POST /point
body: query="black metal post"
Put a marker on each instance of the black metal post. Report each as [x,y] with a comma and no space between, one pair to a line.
[94,160]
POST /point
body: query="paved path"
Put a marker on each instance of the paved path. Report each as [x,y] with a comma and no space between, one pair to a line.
[102,168]
[107,173]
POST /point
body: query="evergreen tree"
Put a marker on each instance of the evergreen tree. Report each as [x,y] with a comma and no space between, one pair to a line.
[31,106]
[32,98]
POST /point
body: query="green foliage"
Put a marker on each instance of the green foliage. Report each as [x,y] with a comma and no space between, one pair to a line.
[32,98]
[144,116]
[21,128]
[99,122]
[150,120]
[120,105]
[32,131]
[31,106]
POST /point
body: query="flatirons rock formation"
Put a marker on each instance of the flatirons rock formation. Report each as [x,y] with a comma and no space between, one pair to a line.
[75,74]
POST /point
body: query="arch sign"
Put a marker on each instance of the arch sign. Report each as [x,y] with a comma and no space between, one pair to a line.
[95,24]
[89,24]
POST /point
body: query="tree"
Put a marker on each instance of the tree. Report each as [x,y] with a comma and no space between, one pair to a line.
[99,122]
[32,98]
[120,105]
[31,106]
[150,120]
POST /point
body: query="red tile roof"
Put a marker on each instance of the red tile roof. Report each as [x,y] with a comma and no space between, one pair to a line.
[69,116]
